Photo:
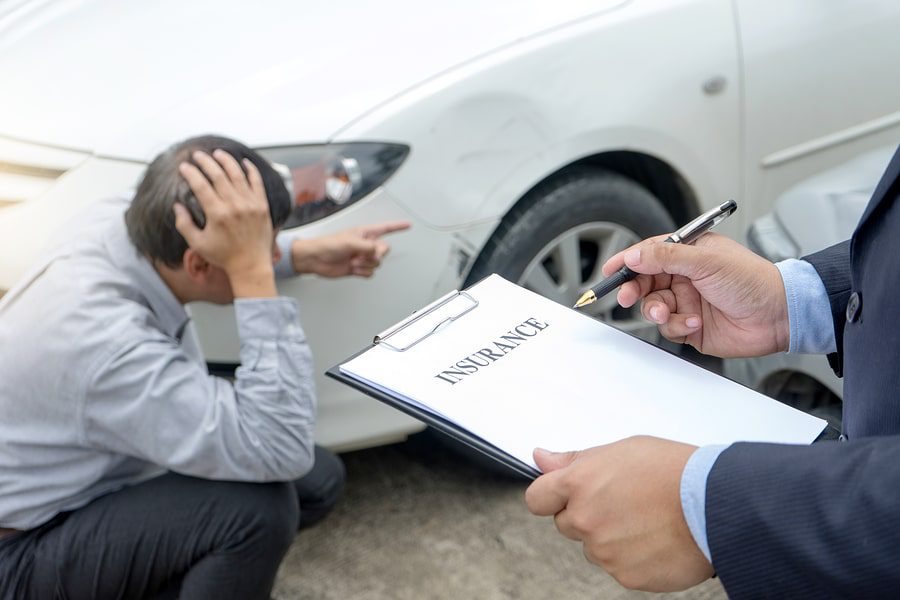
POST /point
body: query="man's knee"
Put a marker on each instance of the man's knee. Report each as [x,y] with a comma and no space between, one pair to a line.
[321,488]
[334,475]
[169,532]
[265,512]
[255,525]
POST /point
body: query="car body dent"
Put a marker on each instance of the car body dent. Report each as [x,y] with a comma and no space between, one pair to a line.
[509,101]
[540,85]
[836,197]
[819,212]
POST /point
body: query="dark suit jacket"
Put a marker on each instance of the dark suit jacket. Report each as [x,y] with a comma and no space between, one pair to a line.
[824,520]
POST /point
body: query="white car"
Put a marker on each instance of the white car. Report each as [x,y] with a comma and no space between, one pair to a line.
[812,215]
[529,138]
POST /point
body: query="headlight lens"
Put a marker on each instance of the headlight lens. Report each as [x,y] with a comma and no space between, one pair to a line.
[323,179]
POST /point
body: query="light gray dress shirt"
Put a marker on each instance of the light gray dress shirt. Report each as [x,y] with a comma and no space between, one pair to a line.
[102,385]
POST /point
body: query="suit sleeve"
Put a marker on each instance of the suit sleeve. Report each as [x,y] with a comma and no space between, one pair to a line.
[833,266]
[815,521]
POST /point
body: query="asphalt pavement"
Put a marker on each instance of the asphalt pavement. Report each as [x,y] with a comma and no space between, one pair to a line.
[419,521]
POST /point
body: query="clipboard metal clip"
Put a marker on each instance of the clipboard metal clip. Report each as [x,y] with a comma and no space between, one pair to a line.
[470,305]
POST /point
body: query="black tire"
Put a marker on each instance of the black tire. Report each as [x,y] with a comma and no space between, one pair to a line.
[577,197]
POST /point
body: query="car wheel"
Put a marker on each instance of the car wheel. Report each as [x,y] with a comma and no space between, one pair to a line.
[556,240]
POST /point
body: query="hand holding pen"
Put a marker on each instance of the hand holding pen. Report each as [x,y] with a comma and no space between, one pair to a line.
[686,235]
[715,294]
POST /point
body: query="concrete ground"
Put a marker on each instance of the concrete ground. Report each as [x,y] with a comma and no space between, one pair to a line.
[419,522]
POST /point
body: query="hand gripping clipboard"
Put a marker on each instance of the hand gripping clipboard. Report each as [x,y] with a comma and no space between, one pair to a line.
[406,334]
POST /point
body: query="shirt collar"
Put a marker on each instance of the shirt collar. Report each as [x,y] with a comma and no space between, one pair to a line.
[173,317]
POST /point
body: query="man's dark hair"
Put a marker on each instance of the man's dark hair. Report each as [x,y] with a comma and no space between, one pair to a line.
[150,219]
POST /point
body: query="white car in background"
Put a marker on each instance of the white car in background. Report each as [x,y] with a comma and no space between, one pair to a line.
[529,138]
[812,215]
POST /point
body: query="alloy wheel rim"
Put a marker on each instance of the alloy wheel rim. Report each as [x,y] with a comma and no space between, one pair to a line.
[570,264]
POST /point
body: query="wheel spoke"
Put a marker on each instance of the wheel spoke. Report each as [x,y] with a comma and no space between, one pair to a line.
[568,257]
[537,279]
[556,271]
[618,239]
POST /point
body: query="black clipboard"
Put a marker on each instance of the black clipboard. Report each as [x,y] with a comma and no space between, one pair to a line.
[454,430]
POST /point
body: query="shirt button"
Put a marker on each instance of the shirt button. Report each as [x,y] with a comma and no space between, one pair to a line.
[854,307]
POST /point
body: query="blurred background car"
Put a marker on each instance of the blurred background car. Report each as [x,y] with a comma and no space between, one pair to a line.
[812,215]
[527,138]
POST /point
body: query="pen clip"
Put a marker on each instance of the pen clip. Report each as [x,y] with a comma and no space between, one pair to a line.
[704,223]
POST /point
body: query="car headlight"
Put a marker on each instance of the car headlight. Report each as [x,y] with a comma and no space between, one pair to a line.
[323,179]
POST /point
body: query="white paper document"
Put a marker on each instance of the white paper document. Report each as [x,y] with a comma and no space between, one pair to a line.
[520,371]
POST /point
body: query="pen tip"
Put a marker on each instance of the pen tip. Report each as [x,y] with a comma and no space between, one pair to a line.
[586,298]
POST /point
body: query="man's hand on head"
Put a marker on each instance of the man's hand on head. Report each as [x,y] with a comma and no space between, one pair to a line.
[238,233]
[623,502]
[356,251]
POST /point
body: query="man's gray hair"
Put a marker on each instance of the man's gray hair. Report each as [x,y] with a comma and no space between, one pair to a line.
[150,219]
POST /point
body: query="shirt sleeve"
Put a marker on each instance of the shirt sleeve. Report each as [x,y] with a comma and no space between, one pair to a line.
[693,493]
[809,311]
[284,268]
[150,400]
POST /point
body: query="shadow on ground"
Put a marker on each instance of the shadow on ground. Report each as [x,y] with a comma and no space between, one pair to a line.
[418,521]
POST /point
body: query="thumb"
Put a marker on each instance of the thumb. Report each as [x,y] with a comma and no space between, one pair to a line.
[674,259]
[184,223]
[381,249]
[552,461]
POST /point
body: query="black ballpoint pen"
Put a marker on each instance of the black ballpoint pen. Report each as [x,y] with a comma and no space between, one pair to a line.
[685,235]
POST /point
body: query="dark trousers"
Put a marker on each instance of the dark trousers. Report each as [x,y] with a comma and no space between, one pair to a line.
[170,537]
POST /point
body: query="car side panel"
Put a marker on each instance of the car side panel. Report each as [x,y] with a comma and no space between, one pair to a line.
[821,87]
[632,79]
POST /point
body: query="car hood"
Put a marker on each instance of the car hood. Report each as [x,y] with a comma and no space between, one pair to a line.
[126,78]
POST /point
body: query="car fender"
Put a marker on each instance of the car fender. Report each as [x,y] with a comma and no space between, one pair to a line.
[537,106]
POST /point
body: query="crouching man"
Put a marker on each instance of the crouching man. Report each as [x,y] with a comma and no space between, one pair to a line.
[126,470]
